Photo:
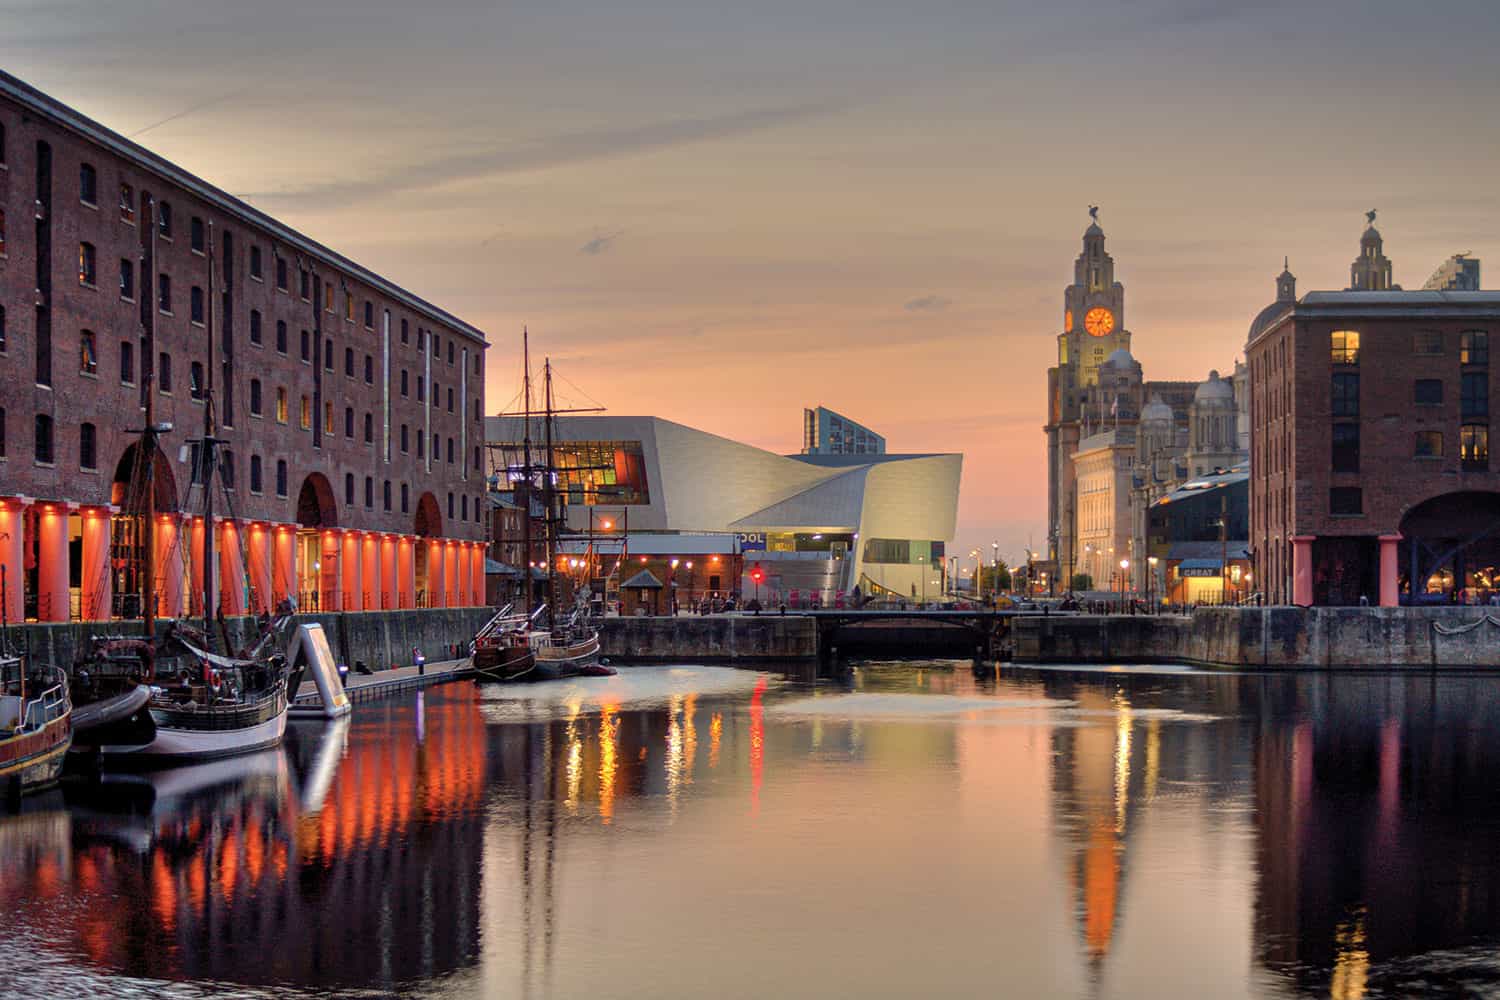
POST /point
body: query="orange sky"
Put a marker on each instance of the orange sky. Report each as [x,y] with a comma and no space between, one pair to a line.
[720,214]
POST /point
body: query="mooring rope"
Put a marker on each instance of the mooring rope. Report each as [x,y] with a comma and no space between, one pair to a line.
[1442,629]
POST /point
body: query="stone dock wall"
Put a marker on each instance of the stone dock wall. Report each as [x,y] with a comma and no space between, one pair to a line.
[380,639]
[725,639]
[1272,638]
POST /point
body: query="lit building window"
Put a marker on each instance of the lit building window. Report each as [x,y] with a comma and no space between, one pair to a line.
[88,360]
[1345,345]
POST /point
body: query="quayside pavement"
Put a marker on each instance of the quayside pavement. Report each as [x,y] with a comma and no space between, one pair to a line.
[384,683]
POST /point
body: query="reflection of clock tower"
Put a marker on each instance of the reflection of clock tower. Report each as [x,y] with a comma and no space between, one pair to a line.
[1093,328]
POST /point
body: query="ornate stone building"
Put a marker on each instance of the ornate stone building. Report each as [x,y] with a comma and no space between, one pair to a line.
[1116,441]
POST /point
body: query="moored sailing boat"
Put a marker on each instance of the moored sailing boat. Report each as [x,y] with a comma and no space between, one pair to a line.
[513,647]
[202,704]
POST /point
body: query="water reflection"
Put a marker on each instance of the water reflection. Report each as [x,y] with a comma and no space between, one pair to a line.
[910,830]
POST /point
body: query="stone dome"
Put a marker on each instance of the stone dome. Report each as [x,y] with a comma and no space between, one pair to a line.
[1156,412]
[1266,318]
[1093,230]
[1120,358]
[1213,390]
[1371,235]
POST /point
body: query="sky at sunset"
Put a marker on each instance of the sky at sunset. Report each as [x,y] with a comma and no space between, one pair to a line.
[720,213]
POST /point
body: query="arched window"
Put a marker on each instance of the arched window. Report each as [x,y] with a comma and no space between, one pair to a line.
[405,493]
[349,488]
[369,428]
[450,451]
[43,449]
[88,184]
[255,397]
[255,474]
[369,492]
[369,370]
[255,327]
[349,362]
[348,421]
[386,496]
[281,477]
[403,439]
[164,219]
[196,386]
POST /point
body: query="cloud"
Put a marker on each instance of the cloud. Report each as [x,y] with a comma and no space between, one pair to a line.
[927,303]
[599,244]
[558,150]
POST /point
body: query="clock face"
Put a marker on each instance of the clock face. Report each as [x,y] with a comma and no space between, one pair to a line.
[1099,321]
[1067,319]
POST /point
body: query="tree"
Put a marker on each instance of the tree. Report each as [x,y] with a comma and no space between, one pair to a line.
[1082,581]
[988,577]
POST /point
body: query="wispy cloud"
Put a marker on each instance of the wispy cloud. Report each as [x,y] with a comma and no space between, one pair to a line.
[599,244]
[559,150]
[927,303]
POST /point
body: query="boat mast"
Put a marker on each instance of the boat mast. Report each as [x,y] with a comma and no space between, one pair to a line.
[526,474]
[547,500]
[147,581]
[209,464]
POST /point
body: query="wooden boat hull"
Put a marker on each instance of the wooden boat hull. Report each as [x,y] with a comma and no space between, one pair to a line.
[577,659]
[122,719]
[502,664]
[35,760]
[185,735]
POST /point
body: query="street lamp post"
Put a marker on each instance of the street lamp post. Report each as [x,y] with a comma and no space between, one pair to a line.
[1124,580]
[672,596]
[1151,562]
[995,568]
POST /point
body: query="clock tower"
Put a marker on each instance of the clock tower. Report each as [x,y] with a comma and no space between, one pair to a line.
[1093,328]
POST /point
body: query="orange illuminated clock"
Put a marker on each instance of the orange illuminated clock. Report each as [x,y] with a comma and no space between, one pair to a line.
[1099,321]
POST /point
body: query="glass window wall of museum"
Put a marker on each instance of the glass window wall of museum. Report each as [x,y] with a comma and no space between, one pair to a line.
[589,472]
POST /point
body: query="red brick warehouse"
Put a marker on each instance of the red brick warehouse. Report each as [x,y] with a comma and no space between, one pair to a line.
[1371,478]
[350,410]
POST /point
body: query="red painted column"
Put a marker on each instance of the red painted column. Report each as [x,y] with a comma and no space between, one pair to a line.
[1390,592]
[283,564]
[436,592]
[353,579]
[195,557]
[169,532]
[406,572]
[450,568]
[13,555]
[390,590]
[460,574]
[258,547]
[477,586]
[370,561]
[52,563]
[96,581]
[231,568]
[1302,571]
[328,572]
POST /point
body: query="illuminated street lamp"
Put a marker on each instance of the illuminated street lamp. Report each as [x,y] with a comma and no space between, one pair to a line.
[1124,570]
[673,595]
[1151,562]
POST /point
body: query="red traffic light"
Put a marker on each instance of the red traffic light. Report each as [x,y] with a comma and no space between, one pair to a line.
[757,574]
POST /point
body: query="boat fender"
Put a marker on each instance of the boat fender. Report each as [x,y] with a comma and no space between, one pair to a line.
[213,681]
[605,661]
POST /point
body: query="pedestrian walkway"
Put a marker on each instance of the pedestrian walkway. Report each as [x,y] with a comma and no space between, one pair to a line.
[383,683]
